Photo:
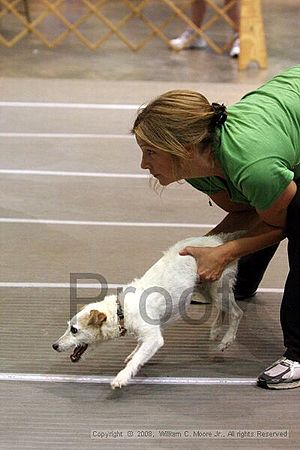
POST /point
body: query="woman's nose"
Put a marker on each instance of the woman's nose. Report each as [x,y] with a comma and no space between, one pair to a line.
[144,164]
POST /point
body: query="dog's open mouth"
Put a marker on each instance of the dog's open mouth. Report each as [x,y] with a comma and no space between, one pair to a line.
[78,352]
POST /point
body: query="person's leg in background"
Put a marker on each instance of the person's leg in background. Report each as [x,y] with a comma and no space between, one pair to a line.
[234,14]
[189,39]
[198,9]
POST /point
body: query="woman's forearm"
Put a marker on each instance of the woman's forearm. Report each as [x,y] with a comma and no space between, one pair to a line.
[234,221]
[258,234]
[211,261]
[258,237]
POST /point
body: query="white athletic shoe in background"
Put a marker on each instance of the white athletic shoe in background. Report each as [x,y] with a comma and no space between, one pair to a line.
[234,52]
[188,39]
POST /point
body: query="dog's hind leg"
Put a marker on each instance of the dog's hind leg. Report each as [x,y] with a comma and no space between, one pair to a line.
[234,315]
[223,300]
[129,357]
[150,345]
[216,296]
[216,326]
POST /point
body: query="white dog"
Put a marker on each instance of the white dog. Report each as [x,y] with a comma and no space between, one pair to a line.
[150,303]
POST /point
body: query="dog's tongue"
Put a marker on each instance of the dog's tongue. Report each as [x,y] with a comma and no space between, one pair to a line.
[78,351]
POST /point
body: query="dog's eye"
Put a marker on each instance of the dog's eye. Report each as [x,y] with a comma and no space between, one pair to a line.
[73,330]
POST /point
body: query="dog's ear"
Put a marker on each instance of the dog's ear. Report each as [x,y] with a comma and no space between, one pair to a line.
[96,317]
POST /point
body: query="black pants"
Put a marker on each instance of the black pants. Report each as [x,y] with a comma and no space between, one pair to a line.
[251,269]
[290,307]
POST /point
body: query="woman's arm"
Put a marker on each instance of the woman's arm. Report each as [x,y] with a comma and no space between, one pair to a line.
[267,228]
[270,229]
[211,261]
[256,238]
[240,216]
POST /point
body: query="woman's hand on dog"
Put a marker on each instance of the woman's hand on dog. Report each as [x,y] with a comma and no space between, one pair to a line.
[211,261]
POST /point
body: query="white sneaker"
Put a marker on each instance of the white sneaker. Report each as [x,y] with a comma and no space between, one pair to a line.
[234,52]
[188,39]
[282,374]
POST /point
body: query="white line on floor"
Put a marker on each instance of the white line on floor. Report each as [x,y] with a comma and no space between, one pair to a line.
[66,135]
[191,381]
[70,105]
[33,285]
[271,290]
[71,174]
[104,224]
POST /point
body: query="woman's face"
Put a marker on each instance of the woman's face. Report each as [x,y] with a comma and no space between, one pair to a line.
[160,164]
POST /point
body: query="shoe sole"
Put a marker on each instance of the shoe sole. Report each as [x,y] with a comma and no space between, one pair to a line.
[278,386]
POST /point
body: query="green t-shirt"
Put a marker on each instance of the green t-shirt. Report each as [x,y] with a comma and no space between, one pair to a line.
[259,144]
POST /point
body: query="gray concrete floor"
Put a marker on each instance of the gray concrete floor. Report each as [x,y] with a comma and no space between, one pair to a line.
[61,415]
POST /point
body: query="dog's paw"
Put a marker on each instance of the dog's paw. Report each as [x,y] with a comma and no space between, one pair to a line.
[223,346]
[120,380]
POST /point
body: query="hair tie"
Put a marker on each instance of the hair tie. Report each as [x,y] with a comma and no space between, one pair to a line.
[220,114]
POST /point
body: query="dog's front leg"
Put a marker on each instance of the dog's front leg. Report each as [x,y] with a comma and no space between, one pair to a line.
[129,357]
[146,350]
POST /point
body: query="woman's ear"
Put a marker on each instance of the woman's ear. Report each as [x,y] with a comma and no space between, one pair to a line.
[191,151]
[190,148]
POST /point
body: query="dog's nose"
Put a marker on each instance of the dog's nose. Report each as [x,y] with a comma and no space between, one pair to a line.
[55,347]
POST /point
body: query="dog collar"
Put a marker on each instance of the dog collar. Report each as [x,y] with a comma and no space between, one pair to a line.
[120,314]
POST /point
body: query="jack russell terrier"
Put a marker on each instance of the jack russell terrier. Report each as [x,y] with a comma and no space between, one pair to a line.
[147,305]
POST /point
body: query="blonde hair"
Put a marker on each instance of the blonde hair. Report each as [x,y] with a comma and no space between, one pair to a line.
[176,120]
